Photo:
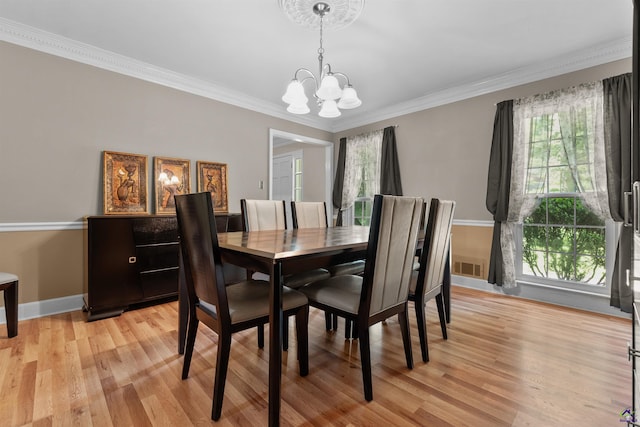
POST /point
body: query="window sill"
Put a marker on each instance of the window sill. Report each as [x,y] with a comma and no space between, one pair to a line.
[589,301]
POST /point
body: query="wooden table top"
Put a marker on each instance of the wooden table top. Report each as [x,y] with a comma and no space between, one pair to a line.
[279,244]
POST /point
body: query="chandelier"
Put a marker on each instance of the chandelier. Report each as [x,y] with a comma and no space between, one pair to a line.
[329,95]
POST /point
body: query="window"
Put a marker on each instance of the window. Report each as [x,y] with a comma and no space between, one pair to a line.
[362,177]
[297,178]
[563,239]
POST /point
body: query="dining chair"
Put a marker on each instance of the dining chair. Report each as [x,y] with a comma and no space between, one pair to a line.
[271,215]
[384,288]
[225,309]
[9,286]
[314,215]
[426,283]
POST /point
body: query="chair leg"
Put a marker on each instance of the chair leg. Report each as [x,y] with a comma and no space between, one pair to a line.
[302,335]
[350,329]
[422,328]
[191,340]
[224,349]
[328,320]
[11,309]
[334,321]
[403,319]
[285,333]
[260,330]
[365,360]
[441,315]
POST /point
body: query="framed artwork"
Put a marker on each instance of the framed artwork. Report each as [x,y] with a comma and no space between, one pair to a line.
[212,177]
[125,183]
[171,177]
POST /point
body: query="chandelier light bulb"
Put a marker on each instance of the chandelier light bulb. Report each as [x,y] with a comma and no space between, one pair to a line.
[329,109]
[349,99]
[329,88]
[295,93]
[299,108]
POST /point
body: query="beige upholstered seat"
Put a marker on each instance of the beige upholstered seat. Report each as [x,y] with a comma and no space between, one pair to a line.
[224,308]
[384,288]
[427,281]
[9,284]
[271,215]
[314,215]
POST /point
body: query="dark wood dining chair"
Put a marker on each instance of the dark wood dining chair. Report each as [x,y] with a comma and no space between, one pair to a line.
[314,215]
[225,309]
[384,288]
[9,285]
[271,215]
[427,281]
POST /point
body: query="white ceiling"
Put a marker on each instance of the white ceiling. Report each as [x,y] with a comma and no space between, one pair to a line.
[401,55]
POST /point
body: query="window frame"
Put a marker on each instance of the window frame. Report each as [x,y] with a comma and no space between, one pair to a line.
[611,237]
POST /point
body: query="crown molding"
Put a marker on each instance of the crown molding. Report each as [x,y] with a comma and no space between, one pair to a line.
[596,55]
[33,38]
[43,41]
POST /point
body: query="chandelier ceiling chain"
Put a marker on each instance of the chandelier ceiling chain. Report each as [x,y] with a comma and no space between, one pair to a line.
[329,95]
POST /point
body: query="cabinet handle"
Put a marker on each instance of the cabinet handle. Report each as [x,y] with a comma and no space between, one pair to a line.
[632,351]
[132,260]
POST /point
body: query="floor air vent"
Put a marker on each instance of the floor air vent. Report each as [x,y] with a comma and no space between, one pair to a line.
[468,267]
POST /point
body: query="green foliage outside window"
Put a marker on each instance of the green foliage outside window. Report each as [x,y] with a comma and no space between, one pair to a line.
[563,239]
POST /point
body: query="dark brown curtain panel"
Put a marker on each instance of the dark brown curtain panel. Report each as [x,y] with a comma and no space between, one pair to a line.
[617,139]
[338,182]
[498,183]
[390,182]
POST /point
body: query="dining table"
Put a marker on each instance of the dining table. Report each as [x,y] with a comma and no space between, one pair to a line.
[278,253]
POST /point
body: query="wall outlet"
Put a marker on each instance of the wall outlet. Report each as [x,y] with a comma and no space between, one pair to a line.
[261,184]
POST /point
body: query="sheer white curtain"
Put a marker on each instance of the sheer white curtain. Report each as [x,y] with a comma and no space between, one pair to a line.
[579,111]
[363,155]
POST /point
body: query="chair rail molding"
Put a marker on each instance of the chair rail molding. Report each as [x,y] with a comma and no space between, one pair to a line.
[41,226]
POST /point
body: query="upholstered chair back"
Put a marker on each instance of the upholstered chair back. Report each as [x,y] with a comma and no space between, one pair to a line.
[263,214]
[436,244]
[309,214]
[393,236]
[200,251]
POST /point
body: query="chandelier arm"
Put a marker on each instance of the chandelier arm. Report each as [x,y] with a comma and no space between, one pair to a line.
[343,75]
[311,76]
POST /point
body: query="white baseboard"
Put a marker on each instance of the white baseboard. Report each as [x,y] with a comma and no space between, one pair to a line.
[31,310]
[567,298]
[583,301]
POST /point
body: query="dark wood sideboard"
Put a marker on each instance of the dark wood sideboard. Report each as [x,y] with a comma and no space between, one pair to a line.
[133,260]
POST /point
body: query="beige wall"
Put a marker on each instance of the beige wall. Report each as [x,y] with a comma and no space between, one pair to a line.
[444,151]
[58,116]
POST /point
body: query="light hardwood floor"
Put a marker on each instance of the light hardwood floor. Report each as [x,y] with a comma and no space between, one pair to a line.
[507,362]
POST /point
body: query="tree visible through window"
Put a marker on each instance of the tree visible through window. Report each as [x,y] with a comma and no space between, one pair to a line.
[367,167]
[563,239]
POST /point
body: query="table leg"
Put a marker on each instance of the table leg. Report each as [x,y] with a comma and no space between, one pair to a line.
[183,307]
[275,344]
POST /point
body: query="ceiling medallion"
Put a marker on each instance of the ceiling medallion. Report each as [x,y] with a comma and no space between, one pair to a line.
[343,12]
[329,95]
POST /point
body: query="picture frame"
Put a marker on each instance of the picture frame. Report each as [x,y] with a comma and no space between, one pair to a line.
[212,177]
[125,187]
[171,177]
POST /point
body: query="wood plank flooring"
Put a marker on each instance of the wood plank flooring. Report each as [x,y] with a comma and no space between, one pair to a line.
[507,362]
